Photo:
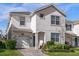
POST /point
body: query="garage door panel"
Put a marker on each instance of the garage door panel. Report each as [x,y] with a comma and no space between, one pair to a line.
[24,42]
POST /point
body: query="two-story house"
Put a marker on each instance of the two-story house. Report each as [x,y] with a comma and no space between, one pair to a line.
[34,29]
[72,32]
[69,36]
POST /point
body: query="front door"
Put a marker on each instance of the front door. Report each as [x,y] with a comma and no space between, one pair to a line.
[41,38]
[76,43]
[33,40]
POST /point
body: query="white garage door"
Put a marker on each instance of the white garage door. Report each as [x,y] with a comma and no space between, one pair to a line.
[24,42]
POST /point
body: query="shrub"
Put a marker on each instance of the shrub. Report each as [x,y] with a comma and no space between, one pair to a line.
[2,45]
[58,46]
[66,46]
[45,47]
[51,47]
[60,50]
[10,44]
[50,42]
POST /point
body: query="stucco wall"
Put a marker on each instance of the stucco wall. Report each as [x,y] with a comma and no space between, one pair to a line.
[44,25]
[76,29]
[16,21]
[19,34]
[33,24]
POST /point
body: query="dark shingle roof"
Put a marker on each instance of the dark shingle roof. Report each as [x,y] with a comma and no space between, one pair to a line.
[26,13]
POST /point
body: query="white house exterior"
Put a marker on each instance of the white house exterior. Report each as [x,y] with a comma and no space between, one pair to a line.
[34,29]
[76,31]
[72,33]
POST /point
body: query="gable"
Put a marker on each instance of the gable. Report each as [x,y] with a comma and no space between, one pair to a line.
[49,8]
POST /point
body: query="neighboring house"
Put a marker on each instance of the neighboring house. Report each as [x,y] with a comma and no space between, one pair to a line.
[76,31]
[70,36]
[44,24]
[72,33]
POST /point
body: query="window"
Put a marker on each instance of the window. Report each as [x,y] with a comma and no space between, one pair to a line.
[68,27]
[22,20]
[41,15]
[55,20]
[55,37]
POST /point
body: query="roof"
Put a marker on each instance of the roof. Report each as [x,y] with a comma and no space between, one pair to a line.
[46,6]
[69,21]
[76,22]
[26,13]
[71,33]
[39,9]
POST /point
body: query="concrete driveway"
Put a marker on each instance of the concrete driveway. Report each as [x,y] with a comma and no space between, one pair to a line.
[31,52]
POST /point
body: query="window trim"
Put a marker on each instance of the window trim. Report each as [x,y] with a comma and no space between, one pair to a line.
[69,27]
[55,37]
[55,21]
[22,20]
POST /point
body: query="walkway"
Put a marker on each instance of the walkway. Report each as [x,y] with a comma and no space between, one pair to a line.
[31,52]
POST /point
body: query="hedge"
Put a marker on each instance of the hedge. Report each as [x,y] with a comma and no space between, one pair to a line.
[7,44]
[49,46]
[10,44]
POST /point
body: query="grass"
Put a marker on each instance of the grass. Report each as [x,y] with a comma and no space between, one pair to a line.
[76,53]
[7,52]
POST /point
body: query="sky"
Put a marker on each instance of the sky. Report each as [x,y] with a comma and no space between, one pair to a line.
[70,9]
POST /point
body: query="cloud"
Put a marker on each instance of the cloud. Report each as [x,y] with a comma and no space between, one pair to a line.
[6,8]
[4,11]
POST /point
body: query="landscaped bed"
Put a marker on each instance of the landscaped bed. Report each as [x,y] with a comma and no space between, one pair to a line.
[9,52]
[75,53]
[52,49]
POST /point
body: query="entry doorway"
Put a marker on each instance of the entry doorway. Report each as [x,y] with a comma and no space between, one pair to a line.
[33,39]
[76,42]
[40,38]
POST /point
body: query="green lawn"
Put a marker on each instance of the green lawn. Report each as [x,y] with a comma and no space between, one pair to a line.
[6,52]
[76,53]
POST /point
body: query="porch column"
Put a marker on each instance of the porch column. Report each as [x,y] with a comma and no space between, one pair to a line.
[44,38]
[36,40]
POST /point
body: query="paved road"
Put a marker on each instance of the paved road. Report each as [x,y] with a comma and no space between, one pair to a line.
[31,52]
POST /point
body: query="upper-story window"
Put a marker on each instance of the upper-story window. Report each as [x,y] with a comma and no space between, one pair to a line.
[22,20]
[55,20]
[68,27]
